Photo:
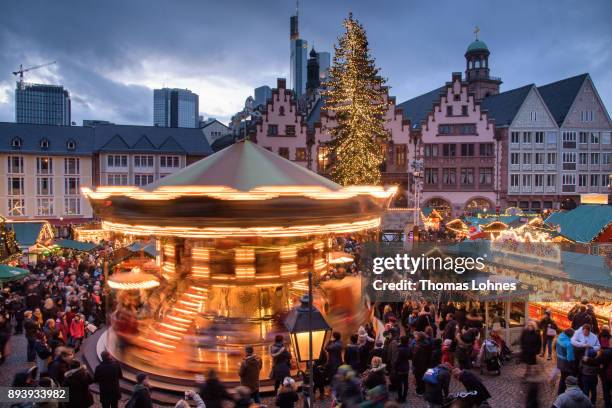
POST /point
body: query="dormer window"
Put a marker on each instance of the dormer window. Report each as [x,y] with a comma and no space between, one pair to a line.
[16,143]
[44,144]
[70,144]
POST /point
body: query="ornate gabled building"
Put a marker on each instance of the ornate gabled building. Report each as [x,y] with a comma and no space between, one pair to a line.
[458,147]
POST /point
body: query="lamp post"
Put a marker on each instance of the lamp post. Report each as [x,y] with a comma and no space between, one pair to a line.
[417,173]
[309,332]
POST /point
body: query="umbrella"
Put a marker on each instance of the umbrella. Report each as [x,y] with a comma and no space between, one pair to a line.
[11,273]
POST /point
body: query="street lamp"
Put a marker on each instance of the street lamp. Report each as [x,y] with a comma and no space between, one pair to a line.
[309,332]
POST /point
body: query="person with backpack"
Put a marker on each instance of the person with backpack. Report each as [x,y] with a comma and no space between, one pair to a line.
[471,382]
[436,381]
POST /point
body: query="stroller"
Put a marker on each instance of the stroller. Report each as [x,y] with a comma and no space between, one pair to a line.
[491,357]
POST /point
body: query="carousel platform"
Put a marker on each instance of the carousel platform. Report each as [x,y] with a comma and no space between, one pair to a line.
[166,390]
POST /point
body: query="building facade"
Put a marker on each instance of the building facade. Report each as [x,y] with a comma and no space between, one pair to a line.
[262,94]
[42,104]
[298,50]
[214,130]
[460,153]
[175,108]
[43,168]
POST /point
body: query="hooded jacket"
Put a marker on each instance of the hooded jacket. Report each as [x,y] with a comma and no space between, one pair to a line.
[573,397]
[565,353]
[281,361]
[77,380]
[249,372]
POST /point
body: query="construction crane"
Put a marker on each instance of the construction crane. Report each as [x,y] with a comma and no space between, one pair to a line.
[21,70]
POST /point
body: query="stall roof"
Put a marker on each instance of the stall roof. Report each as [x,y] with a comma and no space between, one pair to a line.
[141,246]
[582,224]
[26,233]
[76,245]
[582,268]
[506,219]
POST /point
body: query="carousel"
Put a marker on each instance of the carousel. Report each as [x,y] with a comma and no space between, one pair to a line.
[236,235]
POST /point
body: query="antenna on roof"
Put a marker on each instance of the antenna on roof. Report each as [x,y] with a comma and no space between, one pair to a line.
[476,31]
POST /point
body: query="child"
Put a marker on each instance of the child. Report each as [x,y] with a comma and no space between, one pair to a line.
[287,396]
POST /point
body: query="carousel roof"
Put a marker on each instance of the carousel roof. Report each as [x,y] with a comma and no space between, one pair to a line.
[243,190]
[244,166]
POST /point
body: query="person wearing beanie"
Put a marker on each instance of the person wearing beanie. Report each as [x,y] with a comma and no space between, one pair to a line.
[287,395]
[565,357]
[572,397]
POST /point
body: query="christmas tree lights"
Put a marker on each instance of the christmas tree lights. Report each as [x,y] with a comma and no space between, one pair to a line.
[355,95]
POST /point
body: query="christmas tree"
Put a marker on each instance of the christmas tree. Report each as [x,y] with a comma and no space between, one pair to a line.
[355,95]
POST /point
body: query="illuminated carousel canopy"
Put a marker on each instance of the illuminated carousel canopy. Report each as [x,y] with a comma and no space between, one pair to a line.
[243,190]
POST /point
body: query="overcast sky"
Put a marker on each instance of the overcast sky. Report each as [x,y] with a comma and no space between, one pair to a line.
[112,54]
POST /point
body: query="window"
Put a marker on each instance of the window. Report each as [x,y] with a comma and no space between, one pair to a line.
[449,150]
[526,158]
[449,111]
[449,176]
[272,130]
[594,158]
[586,116]
[431,176]
[467,149]
[569,161]
[551,180]
[400,155]
[514,180]
[16,186]
[71,185]
[538,180]
[467,175]
[515,158]
[16,143]
[485,175]
[467,129]
[456,97]
[15,164]
[283,152]
[290,130]
[533,116]
[486,149]
[444,129]
[569,182]
[44,144]
[143,161]
[594,137]
[71,166]
[604,180]
[169,162]
[431,150]
[300,154]
[539,137]
[457,129]
[464,110]
[606,158]
[569,140]
[583,158]
[595,180]
[143,179]
[551,158]
[551,137]
[44,206]
[70,145]
[583,137]
[582,180]
[527,137]
[44,186]
[539,158]
[44,165]
[606,138]
[526,180]
[117,161]
[16,206]
[72,206]
[515,137]
[281,111]
[117,180]
[323,158]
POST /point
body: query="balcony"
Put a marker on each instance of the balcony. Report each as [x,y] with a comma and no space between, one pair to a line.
[568,189]
[569,166]
[550,189]
[569,145]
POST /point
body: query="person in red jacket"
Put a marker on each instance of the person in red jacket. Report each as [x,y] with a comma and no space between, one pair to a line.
[77,331]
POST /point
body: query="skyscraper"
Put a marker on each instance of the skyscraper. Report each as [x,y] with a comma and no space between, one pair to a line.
[313,80]
[298,51]
[42,104]
[324,59]
[174,107]
[262,94]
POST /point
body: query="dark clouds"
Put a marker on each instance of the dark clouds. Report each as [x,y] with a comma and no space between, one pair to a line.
[111,54]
